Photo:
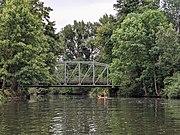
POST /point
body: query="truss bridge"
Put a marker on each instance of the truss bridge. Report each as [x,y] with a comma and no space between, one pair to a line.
[82,74]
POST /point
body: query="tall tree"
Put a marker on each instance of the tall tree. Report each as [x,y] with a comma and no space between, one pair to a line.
[54,44]
[168,41]
[137,52]
[124,7]
[169,45]
[23,45]
[78,40]
[103,38]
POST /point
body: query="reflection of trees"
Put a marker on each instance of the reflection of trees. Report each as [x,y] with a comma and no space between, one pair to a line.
[82,116]
[25,118]
[172,112]
[54,115]
[78,115]
[141,116]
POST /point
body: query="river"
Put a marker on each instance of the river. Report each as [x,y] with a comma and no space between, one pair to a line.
[77,115]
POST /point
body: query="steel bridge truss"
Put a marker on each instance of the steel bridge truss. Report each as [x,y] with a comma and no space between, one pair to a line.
[82,73]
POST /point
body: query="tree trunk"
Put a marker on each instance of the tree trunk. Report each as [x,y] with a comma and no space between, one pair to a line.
[4,84]
[155,82]
[144,88]
[14,86]
[178,23]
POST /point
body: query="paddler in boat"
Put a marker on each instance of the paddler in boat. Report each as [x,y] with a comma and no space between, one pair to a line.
[102,96]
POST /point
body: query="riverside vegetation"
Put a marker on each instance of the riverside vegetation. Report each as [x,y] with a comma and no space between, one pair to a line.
[141,43]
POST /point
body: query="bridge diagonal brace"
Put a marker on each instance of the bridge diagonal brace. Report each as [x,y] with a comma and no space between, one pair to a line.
[86,73]
[105,68]
[72,73]
[107,75]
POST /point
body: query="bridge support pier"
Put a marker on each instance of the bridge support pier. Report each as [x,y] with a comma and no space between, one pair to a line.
[113,92]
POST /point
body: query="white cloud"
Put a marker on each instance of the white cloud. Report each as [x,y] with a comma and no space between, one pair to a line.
[66,13]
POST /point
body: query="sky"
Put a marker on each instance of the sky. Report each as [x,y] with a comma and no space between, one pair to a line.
[66,11]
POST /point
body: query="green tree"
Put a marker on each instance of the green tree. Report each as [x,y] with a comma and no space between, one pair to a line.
[169,49]
[124,7]
[103,38]
[172,86]
[169,61]
[78,41]
[1,5]
[137,64]
[23,45]
[128,53]
[54,49]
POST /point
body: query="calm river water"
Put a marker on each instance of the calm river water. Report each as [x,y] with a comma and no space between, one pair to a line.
[58,115]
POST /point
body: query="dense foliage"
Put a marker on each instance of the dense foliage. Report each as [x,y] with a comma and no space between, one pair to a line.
[78,41]
[172,86]
[146,48]
[103,38]
[26,44]
[141,52]
[141,42]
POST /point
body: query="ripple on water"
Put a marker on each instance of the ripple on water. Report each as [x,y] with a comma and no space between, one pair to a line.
[75,115]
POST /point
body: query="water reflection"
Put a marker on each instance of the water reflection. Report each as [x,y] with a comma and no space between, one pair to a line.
[59,115]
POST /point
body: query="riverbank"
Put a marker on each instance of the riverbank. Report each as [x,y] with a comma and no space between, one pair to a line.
[24,94]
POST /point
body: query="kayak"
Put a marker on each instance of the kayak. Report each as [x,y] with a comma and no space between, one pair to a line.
[102,97]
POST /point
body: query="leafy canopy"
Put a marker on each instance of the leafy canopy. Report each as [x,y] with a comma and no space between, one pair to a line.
[136,64]
[22,44]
